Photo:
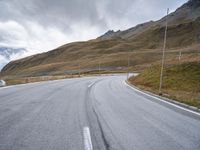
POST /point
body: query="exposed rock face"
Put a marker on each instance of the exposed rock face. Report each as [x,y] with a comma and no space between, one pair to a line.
[127,33]
[110,34]
[187,12]
[193,3]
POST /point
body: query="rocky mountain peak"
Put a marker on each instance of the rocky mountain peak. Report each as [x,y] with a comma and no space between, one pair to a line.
[110,34]
[193,3]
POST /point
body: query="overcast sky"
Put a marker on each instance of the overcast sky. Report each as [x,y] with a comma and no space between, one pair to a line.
[42,25]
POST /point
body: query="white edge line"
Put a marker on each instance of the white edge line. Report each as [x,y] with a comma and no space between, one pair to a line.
[196,113]
[87,139]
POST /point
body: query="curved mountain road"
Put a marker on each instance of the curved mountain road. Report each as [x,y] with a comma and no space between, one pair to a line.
[99,113]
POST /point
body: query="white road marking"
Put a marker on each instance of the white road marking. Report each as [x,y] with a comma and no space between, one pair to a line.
[91,84]
[87,139]
[196,113]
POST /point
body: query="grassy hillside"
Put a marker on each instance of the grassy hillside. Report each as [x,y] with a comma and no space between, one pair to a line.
[179,35]
[111,53]
[181,81]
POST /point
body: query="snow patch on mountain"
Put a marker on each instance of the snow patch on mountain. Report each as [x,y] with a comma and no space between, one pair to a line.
[8,54]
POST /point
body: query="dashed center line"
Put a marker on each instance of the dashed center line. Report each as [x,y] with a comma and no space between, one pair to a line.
[91,84]
[87,139]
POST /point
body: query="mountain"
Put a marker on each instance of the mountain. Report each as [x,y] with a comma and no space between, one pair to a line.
[110,34]
[142,44]
[127,33]
[190,11]
[6,54]
[186,13]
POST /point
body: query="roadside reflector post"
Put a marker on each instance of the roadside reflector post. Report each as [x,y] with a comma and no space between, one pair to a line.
[128,65]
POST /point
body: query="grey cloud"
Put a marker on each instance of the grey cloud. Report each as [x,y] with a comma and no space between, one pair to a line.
[59,13]
[64,13]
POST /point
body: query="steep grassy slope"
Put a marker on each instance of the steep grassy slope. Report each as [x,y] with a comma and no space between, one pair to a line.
[181,35]
[181,81]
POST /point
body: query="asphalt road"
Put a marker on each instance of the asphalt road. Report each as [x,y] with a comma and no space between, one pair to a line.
[99,113]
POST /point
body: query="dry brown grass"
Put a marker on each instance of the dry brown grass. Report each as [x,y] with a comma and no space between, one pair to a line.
[181,81]
[23,80]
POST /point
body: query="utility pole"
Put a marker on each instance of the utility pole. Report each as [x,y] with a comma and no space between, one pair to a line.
[163,56]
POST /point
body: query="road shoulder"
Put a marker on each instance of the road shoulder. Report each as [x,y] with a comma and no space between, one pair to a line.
[184,108]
